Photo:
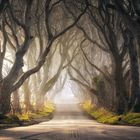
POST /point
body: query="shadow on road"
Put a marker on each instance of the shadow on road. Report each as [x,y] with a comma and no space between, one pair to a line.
[71,123]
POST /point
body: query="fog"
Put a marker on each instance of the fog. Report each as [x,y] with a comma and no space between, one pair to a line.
[66,96]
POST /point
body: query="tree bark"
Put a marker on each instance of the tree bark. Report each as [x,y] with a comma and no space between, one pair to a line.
[39,101]
[27,96]
[135,88]
[120,90]
[16,104]
[5,101]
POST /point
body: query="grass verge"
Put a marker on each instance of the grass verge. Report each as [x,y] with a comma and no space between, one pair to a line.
[27,118]
[104,116]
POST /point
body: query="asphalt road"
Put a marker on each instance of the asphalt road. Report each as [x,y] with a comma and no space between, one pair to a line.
[70,123]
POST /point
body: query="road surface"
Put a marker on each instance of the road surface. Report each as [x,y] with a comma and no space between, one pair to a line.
[70,123]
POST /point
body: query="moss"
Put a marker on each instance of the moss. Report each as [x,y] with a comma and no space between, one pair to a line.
[9,119]
[109,119]
[99,81]
[135,121]
[27,118]
[87,106]
[47,110]
[6,121]
[24,117]
[104,116]
[132,118]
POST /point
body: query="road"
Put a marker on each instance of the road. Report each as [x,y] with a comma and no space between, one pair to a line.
[70,123]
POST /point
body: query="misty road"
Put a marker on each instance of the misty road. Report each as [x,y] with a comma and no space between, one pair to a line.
[70,123]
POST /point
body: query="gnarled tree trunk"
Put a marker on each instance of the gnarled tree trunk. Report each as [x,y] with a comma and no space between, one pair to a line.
[5,100]
[16,103]
[120,89]
[135,88]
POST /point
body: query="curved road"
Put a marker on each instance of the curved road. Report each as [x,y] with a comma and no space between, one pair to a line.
[70,123]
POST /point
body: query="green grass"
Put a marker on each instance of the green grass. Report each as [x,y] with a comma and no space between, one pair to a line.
[104,116]
[132,118]
[46,111]
[27,118]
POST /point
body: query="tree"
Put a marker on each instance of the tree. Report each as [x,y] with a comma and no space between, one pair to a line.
[107,33]
[19,20]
